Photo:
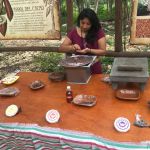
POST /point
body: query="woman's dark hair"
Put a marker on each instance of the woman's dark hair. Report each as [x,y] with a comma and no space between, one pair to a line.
[95,24]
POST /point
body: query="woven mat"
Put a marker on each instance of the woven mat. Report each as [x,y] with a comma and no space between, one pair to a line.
[32,136]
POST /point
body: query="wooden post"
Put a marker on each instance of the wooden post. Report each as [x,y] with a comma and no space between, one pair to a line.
[118,25]
[69,14]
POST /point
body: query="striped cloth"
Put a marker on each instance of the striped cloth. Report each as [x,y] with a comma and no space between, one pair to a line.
[31,137]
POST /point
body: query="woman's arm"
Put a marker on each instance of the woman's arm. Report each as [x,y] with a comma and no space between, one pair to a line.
[67,46]
[101,47]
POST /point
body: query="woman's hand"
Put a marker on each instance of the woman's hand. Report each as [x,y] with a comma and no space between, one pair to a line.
[84,51]
[76,47]
[68,47]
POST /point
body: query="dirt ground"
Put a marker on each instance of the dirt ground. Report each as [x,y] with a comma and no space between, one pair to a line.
[22,60]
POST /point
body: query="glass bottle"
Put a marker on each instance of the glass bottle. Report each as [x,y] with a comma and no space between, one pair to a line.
[69,94]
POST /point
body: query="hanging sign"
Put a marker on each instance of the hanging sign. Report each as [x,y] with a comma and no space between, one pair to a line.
[140,26]
[29,19]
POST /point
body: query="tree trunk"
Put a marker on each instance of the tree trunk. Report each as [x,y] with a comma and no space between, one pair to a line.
[96,5]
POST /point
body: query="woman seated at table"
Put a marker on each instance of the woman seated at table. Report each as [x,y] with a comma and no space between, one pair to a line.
[87,38]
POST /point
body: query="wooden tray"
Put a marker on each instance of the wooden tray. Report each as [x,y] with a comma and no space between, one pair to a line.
[10,80]
[76,61]
[128,94]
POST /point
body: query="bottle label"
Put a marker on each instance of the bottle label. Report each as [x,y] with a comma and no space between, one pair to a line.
[69,98]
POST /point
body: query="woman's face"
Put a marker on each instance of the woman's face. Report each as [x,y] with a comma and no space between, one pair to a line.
[85,24]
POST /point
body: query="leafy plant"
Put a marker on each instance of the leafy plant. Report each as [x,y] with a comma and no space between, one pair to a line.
[104,14]
[107,64]
[149,65]
[49,62]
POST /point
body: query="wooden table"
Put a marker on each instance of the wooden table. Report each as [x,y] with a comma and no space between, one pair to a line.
[97,120]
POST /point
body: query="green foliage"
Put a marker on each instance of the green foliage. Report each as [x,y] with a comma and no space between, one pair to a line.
[110,41]
[2,45]
[149,65]
[63,11]
[104,14]
[48,62]
[107,64]
[146,48]
[75,15]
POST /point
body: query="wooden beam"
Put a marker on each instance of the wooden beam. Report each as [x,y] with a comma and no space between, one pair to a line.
[69,14]
[118,25]
[56,49]
[127,54]
[45,49]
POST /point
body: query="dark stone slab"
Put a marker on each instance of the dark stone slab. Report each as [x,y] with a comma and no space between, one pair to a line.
[138,75]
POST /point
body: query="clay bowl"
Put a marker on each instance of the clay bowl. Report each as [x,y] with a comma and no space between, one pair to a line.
[128,94]
[56,76]
[10,91]
[35,85]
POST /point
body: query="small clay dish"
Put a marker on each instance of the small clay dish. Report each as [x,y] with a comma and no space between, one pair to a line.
[56,76]
[85,100]
[128,94]
[10,91]
[148,102]
[35,85]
